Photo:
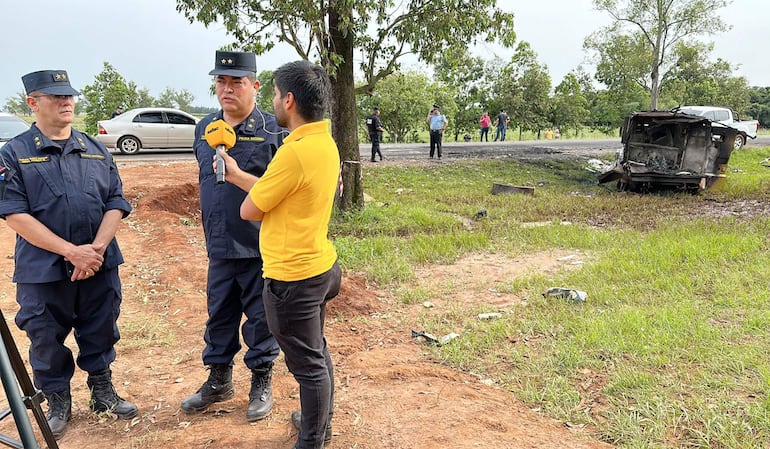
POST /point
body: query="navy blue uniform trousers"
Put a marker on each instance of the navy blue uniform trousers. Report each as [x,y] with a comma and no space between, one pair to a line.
[235,289]
[50,311]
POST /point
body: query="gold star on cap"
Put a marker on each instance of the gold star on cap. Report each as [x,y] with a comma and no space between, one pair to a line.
[224,61]
[229,61]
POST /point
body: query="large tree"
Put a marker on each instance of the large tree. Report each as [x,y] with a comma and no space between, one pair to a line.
[403,99]
[640,42]
[466,75]
[329,31]
[109,90]
[569,107]
[698,80]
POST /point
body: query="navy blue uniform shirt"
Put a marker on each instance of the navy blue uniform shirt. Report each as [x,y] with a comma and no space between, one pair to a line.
[228,236]
[67,189]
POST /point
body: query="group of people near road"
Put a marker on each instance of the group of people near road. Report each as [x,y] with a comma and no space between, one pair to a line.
[266,226]
[437,124]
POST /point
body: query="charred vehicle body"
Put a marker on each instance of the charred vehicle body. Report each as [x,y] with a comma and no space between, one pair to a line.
[665,150]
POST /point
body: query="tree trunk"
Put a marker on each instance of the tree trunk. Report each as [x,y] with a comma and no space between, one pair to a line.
[343,110]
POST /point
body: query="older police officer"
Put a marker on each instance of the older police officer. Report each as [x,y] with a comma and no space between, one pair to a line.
[235,283]
[61,192]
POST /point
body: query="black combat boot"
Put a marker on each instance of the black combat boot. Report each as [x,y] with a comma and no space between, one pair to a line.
[296,420]
[59,412]
[218,388]
[104,398]
[261,394]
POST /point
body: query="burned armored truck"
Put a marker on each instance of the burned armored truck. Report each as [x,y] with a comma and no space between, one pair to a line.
[664,150]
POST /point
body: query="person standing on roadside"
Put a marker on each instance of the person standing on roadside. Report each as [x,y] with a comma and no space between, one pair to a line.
[484,123]
[234,283]
[61,193]
[438,124]
[294,201]
[117,112]
[375,129]
[502,125]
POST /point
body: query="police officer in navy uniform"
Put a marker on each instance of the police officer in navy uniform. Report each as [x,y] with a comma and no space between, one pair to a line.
[374,126]
[61,192]
[235,283]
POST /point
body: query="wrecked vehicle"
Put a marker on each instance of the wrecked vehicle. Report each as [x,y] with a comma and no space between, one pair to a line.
[670,150]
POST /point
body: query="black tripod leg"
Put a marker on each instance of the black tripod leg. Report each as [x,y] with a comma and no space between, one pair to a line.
[32,397]
[14,400]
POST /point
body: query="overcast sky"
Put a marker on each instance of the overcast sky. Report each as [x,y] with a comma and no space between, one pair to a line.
[151,44]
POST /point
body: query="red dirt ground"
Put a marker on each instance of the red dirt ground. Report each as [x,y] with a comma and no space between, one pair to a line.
[389,394]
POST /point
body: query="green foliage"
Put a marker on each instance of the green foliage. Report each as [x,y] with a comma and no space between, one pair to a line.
[640,45]
[465,75]
[108,91]
[760,104]
[569,106]
[266,90]
[404,100]
[171,98]
[696,80]
[382,33]
[18,105]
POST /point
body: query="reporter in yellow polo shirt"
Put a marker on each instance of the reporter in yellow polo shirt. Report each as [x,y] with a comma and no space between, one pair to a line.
[294,200]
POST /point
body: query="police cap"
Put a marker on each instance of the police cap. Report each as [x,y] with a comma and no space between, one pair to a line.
[234,63]
[52,82]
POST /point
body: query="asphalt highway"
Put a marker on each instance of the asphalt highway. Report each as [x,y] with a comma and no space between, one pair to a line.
[451,150]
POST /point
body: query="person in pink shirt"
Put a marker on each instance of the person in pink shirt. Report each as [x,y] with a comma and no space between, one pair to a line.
[484,122]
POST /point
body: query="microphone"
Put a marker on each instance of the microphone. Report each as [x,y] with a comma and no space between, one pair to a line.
[220,136]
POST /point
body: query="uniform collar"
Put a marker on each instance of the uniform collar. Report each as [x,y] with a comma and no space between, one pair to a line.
[76,141]
[322,127]
[249,127]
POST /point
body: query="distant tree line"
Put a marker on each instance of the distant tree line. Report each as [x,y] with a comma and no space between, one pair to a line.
[646,59]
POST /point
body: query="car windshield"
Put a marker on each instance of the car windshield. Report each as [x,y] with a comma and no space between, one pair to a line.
[11,127]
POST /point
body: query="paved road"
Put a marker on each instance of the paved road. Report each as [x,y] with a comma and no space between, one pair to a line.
[452,150]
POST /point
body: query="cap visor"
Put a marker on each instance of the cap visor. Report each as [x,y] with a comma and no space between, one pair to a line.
[58,90]
[230,72]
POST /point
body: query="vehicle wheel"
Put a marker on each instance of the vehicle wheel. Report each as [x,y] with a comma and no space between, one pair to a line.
[129,145]
[740,140]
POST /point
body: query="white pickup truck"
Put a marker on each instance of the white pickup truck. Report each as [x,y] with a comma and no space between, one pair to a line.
[746,128]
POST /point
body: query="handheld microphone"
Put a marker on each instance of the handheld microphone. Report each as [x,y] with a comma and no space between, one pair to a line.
[220,136]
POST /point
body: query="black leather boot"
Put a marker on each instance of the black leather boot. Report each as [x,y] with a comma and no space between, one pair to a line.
[261,394]
[59,412]
[104,398]
[218,388]
[296,420]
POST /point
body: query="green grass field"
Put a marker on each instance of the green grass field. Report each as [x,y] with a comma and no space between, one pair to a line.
[674,339]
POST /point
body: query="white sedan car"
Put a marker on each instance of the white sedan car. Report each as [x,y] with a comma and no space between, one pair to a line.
[148,128]
[10,126]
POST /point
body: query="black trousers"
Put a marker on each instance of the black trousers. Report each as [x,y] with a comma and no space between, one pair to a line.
[435,142]
[375,138]
[296,312]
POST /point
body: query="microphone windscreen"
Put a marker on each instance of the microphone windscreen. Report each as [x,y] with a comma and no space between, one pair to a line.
[218,133]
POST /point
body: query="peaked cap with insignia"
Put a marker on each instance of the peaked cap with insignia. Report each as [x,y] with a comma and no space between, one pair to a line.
[234,63]
[52,82]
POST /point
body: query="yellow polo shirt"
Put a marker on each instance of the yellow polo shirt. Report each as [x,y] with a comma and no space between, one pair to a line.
[296,194]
